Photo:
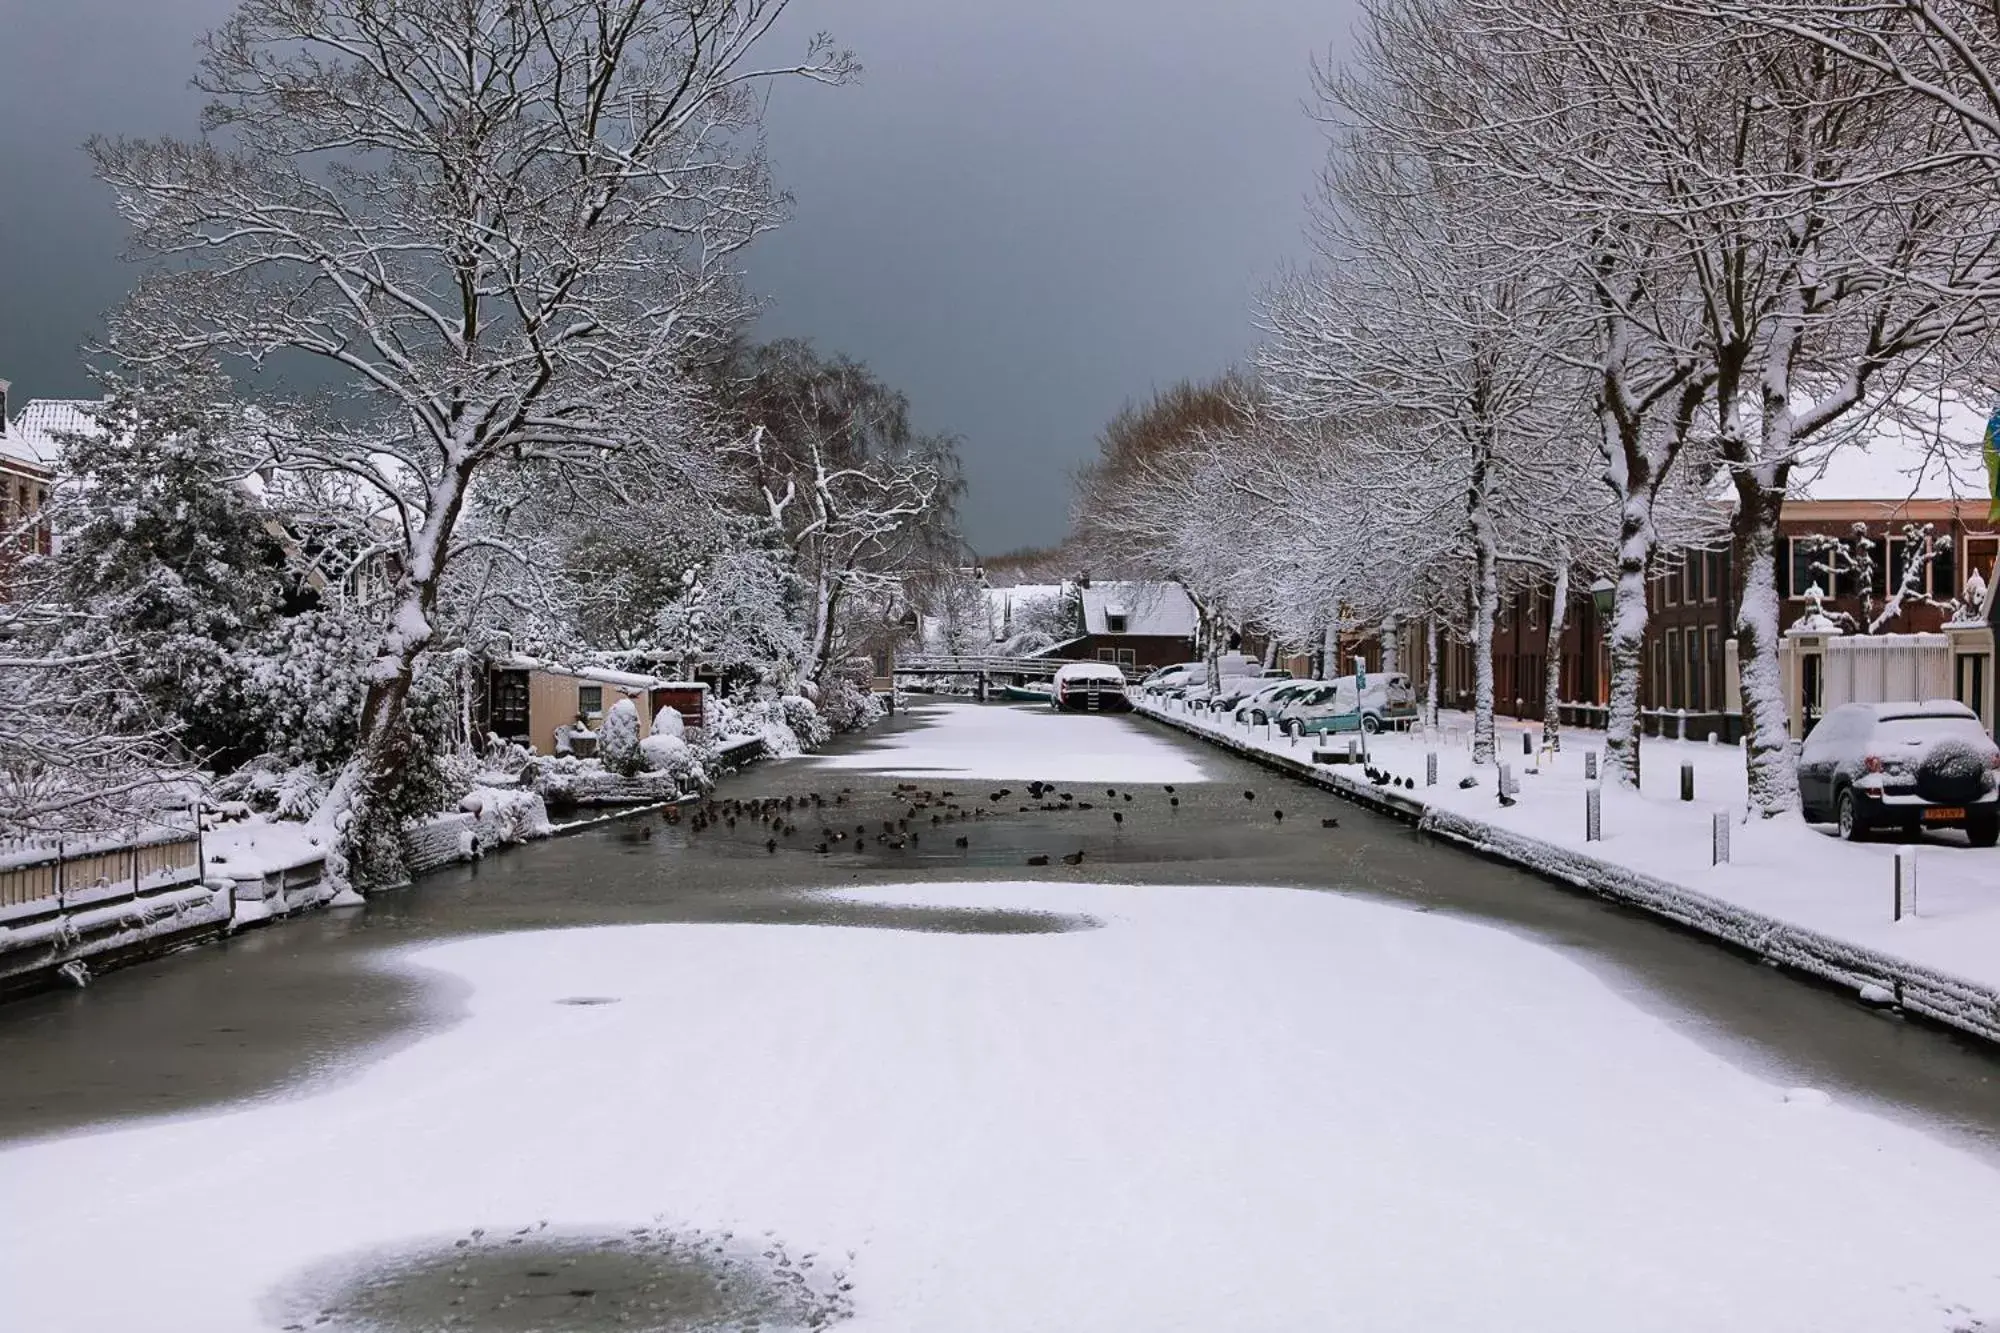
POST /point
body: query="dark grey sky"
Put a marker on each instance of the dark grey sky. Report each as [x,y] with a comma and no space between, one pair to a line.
[1028,212]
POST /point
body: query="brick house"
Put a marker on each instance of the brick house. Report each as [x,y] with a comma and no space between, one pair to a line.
[28,454]
[1690,664]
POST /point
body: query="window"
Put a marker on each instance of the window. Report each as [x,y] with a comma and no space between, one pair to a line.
[1658,688]
[1114,622]
[1696,677]
[1127,657]
[1106,655]
[1673,679]
[590,700]
[1715,690]
[1672,591]
[1691,579]
[1807,554]
[1711,576]
[1980,553]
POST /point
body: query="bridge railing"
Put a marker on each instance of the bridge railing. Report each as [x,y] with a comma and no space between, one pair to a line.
[973,665]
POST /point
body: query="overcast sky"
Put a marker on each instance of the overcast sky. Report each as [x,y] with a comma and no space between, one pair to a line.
[1027,212]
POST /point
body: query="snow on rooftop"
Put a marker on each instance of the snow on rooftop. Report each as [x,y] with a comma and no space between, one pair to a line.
[1160,609]
[1929,451]
[35,434]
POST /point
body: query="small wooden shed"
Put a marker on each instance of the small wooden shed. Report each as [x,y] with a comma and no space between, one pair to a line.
[527,699]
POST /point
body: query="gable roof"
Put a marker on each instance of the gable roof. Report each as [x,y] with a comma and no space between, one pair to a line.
[34,436]
[1160,609]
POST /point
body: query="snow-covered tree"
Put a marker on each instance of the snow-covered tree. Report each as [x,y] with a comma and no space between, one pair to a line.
[500,226]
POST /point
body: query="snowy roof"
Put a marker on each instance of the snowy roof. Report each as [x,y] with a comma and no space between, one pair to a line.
[631,680]
[1161,609]
[34,434]
[1928,451]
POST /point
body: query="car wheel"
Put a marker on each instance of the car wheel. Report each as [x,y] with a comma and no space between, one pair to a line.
[1847,813]
[1982,829]
[1295,729]
[1370,724]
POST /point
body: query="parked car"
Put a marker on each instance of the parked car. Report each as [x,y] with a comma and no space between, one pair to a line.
[1235,689]
[1096,687]
[1902,766]
[1169,680]
[1346,705]
[1265,703]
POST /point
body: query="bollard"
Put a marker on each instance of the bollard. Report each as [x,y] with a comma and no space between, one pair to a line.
[1718,842]
[1527,742]
[1507,780]
[1687,782]
[1906,882]
[1593,814]
[1350,750]
[1590,765]
[1431,769]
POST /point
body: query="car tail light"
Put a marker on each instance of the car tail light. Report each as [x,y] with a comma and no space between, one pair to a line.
[1872,763]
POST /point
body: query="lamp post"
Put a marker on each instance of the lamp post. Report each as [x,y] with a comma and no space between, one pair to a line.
[1603,596]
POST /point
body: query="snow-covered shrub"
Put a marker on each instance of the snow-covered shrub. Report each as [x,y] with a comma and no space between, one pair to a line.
[846,706]
[668,722]
[269,785]
[618,739]
[506,816]
[805,721]
[675,757]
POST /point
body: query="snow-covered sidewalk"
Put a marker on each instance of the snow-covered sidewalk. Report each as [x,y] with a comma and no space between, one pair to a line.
[1790,889]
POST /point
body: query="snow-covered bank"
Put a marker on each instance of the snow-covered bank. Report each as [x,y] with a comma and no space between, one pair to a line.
[1208,1114]
[1789,891]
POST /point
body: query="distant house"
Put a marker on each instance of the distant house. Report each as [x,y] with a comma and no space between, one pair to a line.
[1134,624]
[28,454]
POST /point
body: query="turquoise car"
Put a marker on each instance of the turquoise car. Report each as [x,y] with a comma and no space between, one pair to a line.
[1347,704]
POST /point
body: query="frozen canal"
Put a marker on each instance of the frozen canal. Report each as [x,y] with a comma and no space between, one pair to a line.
[931,1087]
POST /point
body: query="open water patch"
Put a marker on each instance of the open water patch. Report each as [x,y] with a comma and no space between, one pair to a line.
[648,1279]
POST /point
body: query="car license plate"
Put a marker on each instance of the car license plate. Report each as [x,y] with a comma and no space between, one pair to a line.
[1941,812]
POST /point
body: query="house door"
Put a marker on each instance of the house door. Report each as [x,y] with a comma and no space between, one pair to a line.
[508,715]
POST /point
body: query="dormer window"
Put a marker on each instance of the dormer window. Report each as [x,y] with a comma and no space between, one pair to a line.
[1114,622]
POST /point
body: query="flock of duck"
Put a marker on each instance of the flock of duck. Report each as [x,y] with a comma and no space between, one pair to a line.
[928,809]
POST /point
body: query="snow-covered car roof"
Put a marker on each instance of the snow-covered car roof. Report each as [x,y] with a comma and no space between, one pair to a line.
[1883,712]
[1089,671]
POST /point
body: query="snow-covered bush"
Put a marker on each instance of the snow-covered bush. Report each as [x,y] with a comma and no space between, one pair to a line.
[675,757]
[506,816]
[668,722]
[805,721]
[846,706]
[618,739]
[268,784]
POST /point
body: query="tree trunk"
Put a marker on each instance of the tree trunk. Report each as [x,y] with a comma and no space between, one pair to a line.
[1552,655]
[1485,602]
[1430,670]
[1330,650]
[1773,773]
[1627,638]
[1392,646]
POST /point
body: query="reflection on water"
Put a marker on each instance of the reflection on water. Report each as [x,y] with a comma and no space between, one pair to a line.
[648,1279]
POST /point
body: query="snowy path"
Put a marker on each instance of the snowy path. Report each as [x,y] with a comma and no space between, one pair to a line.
[1243,1109]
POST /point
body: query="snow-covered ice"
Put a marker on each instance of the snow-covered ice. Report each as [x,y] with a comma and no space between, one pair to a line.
[1227,1108]
[960,740]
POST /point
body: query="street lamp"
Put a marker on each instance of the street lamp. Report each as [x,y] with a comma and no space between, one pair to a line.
[1603,594]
